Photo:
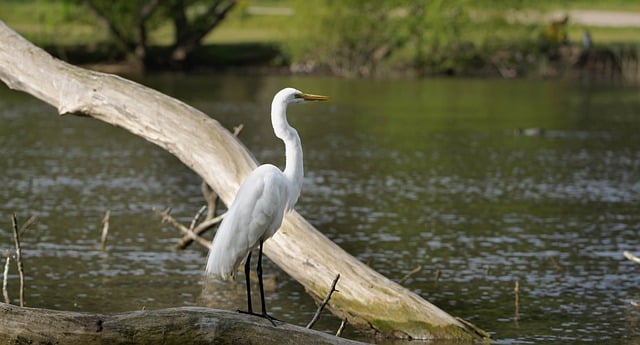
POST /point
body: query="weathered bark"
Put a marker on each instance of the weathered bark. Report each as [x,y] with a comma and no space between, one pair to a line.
[188,325]
[366,298]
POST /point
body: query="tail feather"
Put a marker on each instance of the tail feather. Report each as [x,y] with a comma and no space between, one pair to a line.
[219,266]
[226,253]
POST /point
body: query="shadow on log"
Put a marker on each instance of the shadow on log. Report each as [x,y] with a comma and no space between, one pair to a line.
[188,325]
[366,299]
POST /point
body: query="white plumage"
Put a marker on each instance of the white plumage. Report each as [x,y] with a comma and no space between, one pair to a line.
[254,216]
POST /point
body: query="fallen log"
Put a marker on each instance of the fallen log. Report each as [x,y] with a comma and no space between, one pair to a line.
[187,325]
[366,299]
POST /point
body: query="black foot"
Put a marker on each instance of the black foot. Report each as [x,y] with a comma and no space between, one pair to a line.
[264,316]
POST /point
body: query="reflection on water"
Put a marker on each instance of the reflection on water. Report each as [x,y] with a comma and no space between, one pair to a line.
[400,173]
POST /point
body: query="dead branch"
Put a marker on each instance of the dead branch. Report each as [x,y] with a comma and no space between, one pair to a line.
[16,239]
[316,317]
[167,218]
[408,275]
[196,218]
[201,228]
[516,302]
[5,277]
[105,230]
[27,224]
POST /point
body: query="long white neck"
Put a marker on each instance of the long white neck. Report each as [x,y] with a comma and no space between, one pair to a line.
[293,170]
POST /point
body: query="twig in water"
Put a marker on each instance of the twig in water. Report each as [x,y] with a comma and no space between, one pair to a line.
[16,238]
[202,227]
[324,302]
[105,230]
[437,277]
[631,257]
[166,217]
[516,290]
[196,217]
[27,224]
[5,293]
[342,327]
[473,328]
[209,221]
[408,275]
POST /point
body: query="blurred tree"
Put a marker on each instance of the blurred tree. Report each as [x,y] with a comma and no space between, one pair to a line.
[130,21]
[359,37]
[350,37]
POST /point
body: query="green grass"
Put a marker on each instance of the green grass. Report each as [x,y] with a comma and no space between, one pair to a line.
[602,35]
[55,23]
[52,23]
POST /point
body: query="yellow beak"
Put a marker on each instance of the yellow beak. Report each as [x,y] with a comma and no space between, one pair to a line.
[310,97]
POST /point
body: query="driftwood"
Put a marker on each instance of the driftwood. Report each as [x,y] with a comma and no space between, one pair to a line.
[187,325]
[365,299]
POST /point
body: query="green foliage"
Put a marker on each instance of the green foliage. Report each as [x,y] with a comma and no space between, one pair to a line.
[359,37]
[130,23]
[47,21]
[124,16]
[349,37]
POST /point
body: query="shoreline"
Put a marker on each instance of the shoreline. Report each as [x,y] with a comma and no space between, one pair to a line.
[563,62]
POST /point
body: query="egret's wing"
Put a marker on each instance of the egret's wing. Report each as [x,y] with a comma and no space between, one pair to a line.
[255,215]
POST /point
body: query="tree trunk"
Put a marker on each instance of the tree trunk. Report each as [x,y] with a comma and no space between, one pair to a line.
[189,34]
[365,298]
[187,325]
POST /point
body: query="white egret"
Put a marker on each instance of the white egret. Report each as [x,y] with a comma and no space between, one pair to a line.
[265,195]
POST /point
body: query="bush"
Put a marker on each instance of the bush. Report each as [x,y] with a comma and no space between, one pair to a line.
[365,38]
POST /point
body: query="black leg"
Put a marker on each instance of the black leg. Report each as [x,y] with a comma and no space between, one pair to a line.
[260,284]
[247,277]
[247,271]
[259,271]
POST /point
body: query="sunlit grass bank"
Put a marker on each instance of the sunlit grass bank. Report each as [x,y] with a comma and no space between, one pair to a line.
[282,32]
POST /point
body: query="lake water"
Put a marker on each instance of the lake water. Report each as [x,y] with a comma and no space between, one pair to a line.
[400,173]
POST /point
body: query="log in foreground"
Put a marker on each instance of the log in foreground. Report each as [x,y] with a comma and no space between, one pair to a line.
[365,298]
[188,325]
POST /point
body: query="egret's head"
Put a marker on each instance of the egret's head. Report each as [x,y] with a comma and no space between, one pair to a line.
[291,95]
